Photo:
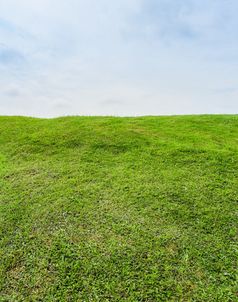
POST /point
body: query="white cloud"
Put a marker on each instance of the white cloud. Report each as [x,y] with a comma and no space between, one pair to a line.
[121,57]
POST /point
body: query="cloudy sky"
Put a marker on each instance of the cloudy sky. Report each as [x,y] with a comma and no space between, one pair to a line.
[124,57]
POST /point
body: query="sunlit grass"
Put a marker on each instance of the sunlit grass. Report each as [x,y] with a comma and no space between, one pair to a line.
[119,209]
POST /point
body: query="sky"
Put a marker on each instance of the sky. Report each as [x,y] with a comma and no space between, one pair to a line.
[123,58]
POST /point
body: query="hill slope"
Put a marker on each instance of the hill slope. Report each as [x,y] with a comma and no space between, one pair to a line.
[119,209]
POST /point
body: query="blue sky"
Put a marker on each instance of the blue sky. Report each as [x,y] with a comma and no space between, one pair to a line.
[125,57]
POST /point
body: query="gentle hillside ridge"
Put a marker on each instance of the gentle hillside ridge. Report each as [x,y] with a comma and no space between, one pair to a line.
[119,209]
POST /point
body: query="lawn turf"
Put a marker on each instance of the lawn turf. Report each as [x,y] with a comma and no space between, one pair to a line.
[119,209]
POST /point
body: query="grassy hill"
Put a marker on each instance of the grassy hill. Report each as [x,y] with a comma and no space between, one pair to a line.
[119,209]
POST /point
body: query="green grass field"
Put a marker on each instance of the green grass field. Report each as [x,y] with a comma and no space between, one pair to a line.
[119,209]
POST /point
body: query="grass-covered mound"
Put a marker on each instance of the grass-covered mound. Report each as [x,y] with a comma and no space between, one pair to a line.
[119,209]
